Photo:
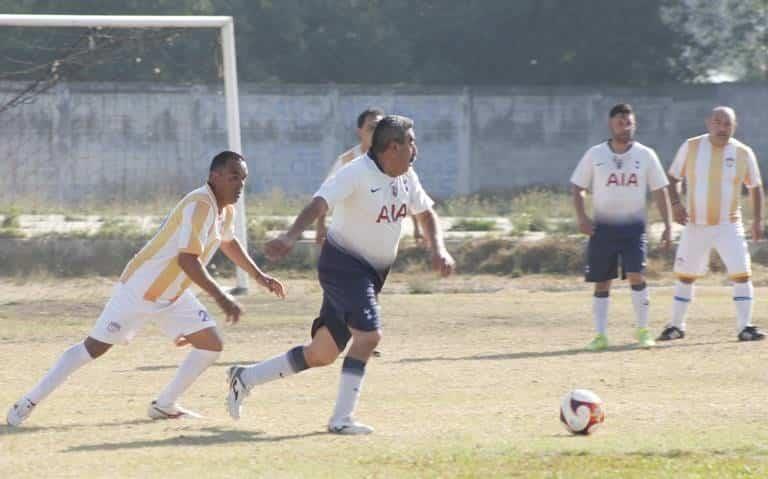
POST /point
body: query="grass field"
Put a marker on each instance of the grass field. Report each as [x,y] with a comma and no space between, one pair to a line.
[468,386]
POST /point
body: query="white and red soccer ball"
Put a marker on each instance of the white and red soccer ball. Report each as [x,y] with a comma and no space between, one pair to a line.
[581,411]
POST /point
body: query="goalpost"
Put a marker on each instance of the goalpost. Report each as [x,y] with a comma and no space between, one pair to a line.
[226,27]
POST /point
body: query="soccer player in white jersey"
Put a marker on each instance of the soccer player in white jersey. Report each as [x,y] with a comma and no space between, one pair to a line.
[366,123]
[155,285]
[371,197]
[714,167]
[619,172]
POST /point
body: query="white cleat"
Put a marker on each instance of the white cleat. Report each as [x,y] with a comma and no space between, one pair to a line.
[19,412]
[349,427]
[237,392]
[174,411]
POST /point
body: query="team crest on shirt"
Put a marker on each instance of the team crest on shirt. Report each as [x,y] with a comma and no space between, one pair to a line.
[394,188]
[730,161]
[619,162]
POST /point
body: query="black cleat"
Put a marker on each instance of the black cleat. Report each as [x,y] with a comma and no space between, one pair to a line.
[751,333]
[670,333]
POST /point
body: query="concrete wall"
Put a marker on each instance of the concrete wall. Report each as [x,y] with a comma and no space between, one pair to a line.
[131,142]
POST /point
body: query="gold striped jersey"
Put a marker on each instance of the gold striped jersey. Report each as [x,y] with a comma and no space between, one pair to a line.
[193,226]
[714,176]
[345,158]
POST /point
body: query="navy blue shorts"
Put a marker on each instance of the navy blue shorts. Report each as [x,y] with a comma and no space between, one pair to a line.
[350,294]
[610,245]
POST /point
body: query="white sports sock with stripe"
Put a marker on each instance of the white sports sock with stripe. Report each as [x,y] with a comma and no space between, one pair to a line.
[276,367]
[743,298]
[641,299]
[600,312]
[683,298]
[352,374]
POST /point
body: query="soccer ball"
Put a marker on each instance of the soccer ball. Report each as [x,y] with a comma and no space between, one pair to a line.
[581,411]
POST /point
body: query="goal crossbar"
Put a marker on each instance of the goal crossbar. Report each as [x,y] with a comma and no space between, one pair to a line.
[226,27]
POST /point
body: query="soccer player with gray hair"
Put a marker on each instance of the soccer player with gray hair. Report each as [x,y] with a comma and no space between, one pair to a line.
[371,196]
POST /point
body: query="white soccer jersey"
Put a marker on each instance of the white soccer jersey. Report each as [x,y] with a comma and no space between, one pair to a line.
[619,182]
[714,176]
[193,226]
[369,209]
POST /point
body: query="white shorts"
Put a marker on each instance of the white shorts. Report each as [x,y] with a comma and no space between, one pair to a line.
[126,312]
[696,242]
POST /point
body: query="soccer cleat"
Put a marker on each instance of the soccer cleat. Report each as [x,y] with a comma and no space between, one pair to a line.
[600,343]
[349,427]
[19,412]
[237,392]
[751,333]
[644,339]
[670,333]
[174,411]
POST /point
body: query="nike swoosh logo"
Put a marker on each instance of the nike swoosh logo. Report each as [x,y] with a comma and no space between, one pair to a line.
[374,190]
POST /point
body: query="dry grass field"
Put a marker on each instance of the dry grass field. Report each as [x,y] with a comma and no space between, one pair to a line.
[468,385]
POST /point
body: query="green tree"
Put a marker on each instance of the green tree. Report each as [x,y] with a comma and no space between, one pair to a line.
[457,42]
[726,37]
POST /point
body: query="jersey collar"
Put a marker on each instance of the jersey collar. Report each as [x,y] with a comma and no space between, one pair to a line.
[212,197]
[608,144]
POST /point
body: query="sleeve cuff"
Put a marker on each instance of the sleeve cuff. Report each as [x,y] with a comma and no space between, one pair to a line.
[422,210]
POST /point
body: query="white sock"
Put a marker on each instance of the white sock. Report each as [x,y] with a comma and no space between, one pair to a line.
[197,361]
[641,301]
[683,297]
[73,359]
[280,366]
[352,373]
[600,313]
[743,294]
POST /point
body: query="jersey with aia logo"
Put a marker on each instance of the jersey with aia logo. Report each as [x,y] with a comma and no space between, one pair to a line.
[392,214]
[369,208]
[622,179]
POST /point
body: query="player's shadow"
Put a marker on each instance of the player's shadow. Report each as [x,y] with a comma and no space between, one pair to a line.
[160,367]
[550,354]
[5,429]
[215,436]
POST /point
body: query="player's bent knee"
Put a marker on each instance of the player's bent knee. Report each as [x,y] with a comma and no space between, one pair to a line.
[214,346]
[317,357]
[366,340]
[95,347]
[685,279]
[206,339]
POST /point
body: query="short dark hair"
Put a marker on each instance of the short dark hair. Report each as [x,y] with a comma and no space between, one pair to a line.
[373,111]
[220,161]
[390,128]
[621,109]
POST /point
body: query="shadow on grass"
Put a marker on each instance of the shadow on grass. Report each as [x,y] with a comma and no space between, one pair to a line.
[5,429]
[561,352]
[666,454]
[160,367]
[216,436]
